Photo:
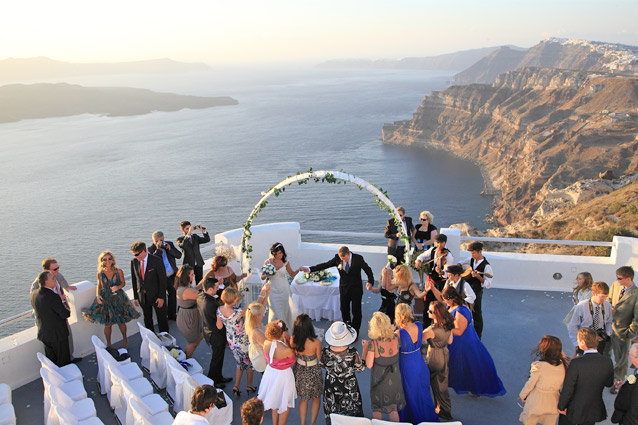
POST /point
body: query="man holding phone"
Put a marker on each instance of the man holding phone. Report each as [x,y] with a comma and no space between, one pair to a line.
[189,244]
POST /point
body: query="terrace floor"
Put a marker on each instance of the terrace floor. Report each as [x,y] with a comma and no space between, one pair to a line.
[514,322]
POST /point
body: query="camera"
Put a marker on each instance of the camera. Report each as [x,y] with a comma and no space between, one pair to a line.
[603,335]
[220,402]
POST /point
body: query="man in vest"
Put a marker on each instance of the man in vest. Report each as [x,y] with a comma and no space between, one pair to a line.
[438,257]
[479,279]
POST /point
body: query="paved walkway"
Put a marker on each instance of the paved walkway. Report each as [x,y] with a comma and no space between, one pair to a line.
[514,322]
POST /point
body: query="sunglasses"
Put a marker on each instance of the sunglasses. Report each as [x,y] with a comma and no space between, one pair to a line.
[135,254]
[430,312]
[55,269]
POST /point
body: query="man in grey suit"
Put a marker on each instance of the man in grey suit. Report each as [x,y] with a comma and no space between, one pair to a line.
[168,253]
[624,300]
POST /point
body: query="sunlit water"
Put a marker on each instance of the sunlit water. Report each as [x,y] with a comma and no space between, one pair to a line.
[73,187]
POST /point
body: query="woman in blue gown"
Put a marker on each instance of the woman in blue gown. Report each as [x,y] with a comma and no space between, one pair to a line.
[415,374]
[472,369]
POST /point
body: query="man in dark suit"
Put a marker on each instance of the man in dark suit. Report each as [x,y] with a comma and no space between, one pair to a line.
[626,403]
[207,304]
[51,315]
[149,286]
[189,244]
[168,253]
[396,246]
[581,400]
[350,284]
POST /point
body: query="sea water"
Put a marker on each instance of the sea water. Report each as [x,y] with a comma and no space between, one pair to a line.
[73,187]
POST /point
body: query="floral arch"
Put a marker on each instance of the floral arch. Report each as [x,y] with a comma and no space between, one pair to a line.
[322,176]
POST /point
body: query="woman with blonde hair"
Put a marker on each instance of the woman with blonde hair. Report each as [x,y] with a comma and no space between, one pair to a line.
[415,375]
[381,354]
[423,238]
[232,317]
[542,390]
[111,305]
[404,284]
[581,292]
[277,388]
[256,335]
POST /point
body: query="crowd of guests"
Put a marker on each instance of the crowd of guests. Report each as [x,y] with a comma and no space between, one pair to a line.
[403,386]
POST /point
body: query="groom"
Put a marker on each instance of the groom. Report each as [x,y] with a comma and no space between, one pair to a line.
[350,284]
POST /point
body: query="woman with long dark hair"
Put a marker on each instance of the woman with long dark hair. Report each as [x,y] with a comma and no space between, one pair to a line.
[581,292]
[307,370]
[542,390]
[472,369]
[189,322]
[279,298]
[439,336]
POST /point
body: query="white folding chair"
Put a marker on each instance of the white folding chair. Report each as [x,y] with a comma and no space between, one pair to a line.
[7,414]
[5,394]
[158,364]
[70,372]
[140,415]
[129,371]
[140,386]
[381,422]
[348,420]
[73,389]
[152,404]
[223,416]
[67,418]
[80,409]
[145,354]
[102,373]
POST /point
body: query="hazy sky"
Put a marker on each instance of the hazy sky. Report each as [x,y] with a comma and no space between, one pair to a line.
[227,32]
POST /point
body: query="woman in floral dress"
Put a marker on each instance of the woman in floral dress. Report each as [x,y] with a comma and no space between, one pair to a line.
[233,317]
[341,390]
[111,305]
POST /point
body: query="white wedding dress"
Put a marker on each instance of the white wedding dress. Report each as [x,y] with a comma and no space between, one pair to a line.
[279,302]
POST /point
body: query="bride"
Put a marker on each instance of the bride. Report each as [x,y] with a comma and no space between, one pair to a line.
[279,301]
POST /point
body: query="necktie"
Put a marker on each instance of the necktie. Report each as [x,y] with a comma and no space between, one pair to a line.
[622,292]
[346,267]
[597,317]
[142,269]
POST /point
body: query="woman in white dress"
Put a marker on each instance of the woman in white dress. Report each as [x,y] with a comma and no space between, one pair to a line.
[279,301]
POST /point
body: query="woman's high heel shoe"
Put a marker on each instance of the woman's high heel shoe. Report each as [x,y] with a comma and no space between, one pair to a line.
[236,391]
[250,390]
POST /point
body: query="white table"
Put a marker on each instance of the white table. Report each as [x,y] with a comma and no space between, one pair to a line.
[317,301]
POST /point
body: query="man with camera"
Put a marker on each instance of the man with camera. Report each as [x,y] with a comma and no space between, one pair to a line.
[168,253]
[594,313]
[189,244]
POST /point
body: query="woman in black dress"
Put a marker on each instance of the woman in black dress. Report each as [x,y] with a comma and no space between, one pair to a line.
[423,239]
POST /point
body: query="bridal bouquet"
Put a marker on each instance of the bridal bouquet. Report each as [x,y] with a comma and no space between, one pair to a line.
[392,261]
[269,269]
[319,276]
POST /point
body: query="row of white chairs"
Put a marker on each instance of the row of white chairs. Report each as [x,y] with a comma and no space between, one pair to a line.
[352,420]
[7,412]
[65,399]
[130,395]
[180,383]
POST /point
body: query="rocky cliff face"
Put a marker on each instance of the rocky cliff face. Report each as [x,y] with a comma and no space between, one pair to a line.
[534,131]
[554,53]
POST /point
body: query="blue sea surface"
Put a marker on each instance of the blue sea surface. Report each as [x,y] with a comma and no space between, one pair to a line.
[73,187]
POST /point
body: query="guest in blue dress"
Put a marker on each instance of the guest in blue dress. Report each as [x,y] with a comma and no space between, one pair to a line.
[472,369]
[415,374]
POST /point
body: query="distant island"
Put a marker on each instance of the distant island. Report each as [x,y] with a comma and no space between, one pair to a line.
[30,69]
[447,62]
[20,101]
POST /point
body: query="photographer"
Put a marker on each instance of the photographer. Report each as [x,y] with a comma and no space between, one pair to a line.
[189,244]
[595,314]
[205,398]
[168,253]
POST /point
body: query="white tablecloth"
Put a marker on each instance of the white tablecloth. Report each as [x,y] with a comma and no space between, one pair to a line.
[317,301]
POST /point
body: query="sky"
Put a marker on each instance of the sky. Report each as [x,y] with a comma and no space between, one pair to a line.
[268,31]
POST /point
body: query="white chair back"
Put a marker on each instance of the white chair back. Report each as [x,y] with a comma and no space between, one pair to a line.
[158,364]
[176,384]
[65,417]
[117,394]
[438,423]
[137,413]
[348,420]
[145,354]
[382,422]
[5,394]
[68,372]
[7,414]
[102,372]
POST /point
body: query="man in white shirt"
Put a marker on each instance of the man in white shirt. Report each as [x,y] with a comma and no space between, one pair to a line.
[595,314]
[479,279]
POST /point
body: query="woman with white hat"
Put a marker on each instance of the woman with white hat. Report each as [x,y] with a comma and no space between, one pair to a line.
[341,390]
